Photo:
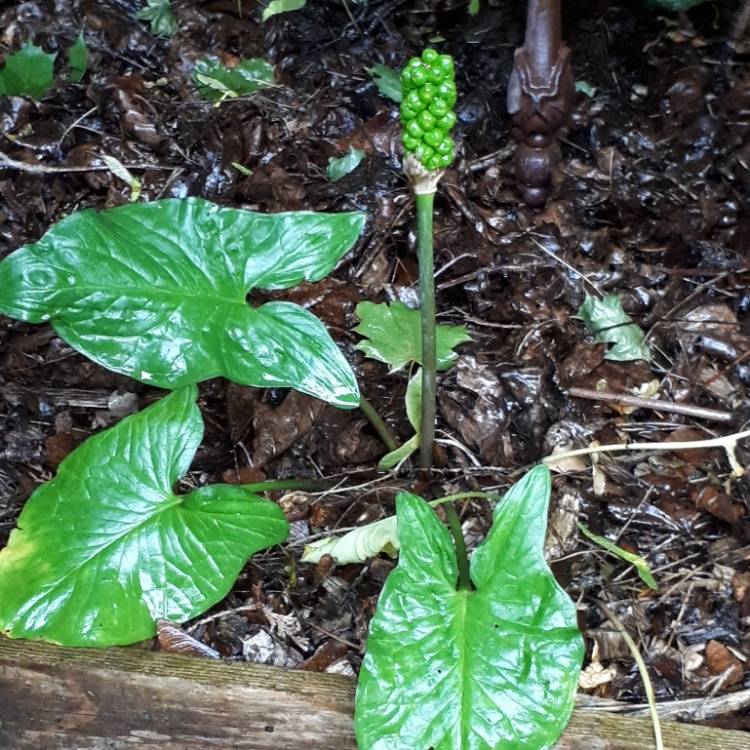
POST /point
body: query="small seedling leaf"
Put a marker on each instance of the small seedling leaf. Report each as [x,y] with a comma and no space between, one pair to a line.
[586,88]
[357,545]
[493,668]
[281,6]
[120,170]
[216,81]
[158,14]
[609,323]
[387,80]
[28,72]
[158,291]
[106,548]
[242,169]
[413,412]
[393,335]
[78,59]
[641,566]
[338,168]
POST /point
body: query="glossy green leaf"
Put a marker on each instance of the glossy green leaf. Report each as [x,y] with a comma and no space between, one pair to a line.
[338,168]
[281,6]
[495,668]
[393,333]
[215,81]
[106,548]
[158,292]
[78,59]
[158,14]
[28,72]
[357,545]
[387,80]
[642,567]
[413,412]
[606,319]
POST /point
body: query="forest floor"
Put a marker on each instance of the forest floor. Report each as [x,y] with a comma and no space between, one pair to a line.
[652,205]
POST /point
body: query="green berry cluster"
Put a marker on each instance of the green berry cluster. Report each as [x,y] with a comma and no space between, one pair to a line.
[427,116]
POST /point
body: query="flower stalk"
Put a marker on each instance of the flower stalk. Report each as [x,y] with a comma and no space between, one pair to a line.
[427,118]
[429,347]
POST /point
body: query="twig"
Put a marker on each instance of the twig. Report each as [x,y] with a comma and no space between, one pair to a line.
[698,412]
[336,637]
[218,615]
[669,317]
[7,163]
[499,268]
[697,709]
[565,263]
[351,17]
[275,485]
[728,443]
[495,157]
[642,669]
[74,123]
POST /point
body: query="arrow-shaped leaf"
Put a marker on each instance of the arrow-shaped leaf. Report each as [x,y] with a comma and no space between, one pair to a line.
[387,80]
[215,80]
[606,319]
[490,669]
[107,548]
[338,168]
[78,59]
[28,72]
[393,335]
[158,292]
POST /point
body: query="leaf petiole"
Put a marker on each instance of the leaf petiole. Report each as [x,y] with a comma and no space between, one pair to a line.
[378,424]
[462,558]
[274,485]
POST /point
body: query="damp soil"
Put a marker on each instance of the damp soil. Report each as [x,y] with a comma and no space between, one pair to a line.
[651,204]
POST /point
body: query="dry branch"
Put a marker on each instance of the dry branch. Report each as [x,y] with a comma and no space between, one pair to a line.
[124,698]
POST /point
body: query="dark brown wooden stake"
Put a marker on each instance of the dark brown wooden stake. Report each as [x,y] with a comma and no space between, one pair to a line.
[540,97]
[121,699]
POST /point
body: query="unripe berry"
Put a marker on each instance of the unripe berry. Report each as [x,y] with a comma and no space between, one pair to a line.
[427,117]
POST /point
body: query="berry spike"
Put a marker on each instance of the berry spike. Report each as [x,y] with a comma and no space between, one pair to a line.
[427,116]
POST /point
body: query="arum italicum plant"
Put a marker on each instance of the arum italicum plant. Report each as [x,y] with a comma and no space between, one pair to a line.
[427,118]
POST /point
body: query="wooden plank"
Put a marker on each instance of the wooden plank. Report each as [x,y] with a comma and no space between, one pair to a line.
[54,698]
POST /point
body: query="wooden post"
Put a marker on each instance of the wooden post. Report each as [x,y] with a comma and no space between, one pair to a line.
[54,698]
[540,96]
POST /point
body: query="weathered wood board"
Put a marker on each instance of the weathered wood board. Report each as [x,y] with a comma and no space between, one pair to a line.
[78,699]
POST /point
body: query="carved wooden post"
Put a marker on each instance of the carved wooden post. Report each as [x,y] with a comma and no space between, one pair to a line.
[540,97]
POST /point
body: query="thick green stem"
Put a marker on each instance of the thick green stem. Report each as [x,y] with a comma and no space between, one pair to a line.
[304,485]
[378,424]
[464,579]
[429,353]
